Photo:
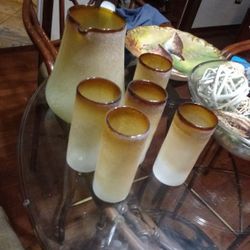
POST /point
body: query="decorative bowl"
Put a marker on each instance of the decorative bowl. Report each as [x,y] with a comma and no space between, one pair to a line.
[144,39]
[232,138]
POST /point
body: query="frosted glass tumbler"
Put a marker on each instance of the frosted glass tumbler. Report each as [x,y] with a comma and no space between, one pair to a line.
[153,67]
[149,98]
[94,97]
[92,46]
[190,130]
[122,143]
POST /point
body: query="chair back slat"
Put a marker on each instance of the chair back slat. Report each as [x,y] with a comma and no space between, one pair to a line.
[236,48]
[37,35]
[40,33]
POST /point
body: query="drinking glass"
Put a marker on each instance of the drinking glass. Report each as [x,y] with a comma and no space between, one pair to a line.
[150,99]
[122,144]
[153,67]
[190,130]
[94,97]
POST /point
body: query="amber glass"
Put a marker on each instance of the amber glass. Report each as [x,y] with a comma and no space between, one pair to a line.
[94,97]
[92,46]
[190,130]
[153,67]
[149,98]
[122,144]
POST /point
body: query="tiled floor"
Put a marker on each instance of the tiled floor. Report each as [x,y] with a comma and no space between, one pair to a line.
[12,31]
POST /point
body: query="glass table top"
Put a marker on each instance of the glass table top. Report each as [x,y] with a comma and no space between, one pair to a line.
[211,210]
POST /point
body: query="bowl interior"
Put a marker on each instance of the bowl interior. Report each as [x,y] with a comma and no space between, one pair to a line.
[196,75]
[227,138]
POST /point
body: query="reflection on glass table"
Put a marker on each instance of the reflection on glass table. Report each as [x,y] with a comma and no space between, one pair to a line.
[209,211]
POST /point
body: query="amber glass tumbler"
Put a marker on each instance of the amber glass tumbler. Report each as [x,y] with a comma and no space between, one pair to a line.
[149,98]
[153,67]
[94,98]
[190,130]
[122,144]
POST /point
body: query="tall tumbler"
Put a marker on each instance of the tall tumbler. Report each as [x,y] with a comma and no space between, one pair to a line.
[190,130]
[122,144]
[94,98]
[153,67]
[149,98]
[92,46]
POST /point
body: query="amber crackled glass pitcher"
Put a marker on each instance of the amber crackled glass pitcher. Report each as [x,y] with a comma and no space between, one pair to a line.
[92,46]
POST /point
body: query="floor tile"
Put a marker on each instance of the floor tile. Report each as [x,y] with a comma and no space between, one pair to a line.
[15,24]
[12,38]
[210,225]
[9,7]
[12,31]
[214,188]
[3,17]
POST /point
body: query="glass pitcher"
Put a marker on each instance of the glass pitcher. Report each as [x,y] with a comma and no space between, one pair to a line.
[92,46]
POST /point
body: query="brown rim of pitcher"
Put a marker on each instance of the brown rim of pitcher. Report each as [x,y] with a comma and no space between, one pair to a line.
[132,137]
[147,82]
[156,55]
[95,102]
[184,120]
[92,29]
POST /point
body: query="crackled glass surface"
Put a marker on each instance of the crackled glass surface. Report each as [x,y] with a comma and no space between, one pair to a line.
[92,46]
[149,98]
[94,98]
[190,130]
[153,67]
[122,144]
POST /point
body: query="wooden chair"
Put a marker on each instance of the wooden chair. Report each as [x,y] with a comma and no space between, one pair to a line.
[40,33]
[239,48]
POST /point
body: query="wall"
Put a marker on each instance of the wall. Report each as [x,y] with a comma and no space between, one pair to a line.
[220,13]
